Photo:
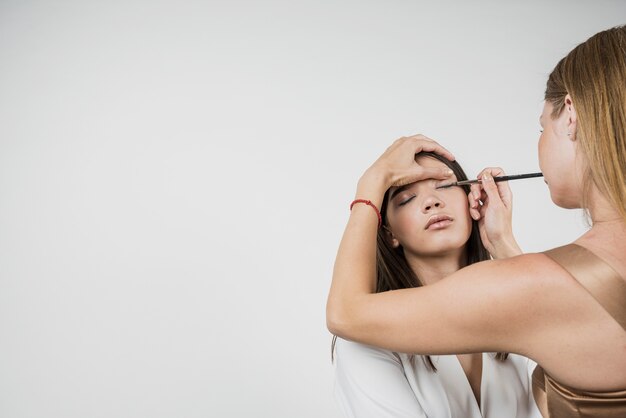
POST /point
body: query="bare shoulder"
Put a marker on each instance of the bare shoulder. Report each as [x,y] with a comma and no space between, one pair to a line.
[533,280]
[527,275]
[525,294]
[591,343]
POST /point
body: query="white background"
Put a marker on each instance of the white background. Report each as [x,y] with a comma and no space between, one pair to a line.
[175,178]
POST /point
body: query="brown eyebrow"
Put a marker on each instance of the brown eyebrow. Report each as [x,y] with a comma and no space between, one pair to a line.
[399,190]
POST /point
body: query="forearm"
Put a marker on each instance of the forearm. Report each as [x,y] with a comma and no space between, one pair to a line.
[354,274]
[354,277]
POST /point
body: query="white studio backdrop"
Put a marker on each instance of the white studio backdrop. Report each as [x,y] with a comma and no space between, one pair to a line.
[175,178]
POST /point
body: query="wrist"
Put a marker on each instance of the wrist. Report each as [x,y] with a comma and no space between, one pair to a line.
[372,186]
[506,248]
[375,175]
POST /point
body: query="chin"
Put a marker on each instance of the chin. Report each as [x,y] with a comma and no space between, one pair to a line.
[564,200]
[443,247]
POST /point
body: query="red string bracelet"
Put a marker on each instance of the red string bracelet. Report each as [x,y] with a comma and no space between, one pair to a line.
[368,203]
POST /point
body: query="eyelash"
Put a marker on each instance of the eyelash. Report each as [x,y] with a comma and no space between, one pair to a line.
[411,198]
[406,201]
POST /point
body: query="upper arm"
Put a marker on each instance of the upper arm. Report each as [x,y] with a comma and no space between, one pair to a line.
[370,382]
[485,307]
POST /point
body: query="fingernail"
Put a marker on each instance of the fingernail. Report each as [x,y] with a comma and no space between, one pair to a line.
[449,172]
[487,177]
[476,195]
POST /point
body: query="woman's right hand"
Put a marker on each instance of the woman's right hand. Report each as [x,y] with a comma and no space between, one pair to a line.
[397,166]
[491,204]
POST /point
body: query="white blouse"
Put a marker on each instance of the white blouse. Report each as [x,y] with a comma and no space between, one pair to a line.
[372,382]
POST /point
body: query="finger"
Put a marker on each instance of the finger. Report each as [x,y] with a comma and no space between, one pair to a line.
[438,173]
[490,188]
[504,190]
[474,213]
[420,136]
[483,195]
[423,173]
[474,202]
[476,190]
[482,211]
[471,199]
[494,171]
[432,146]
[423,143]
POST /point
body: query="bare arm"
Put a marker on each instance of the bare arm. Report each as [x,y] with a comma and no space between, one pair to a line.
[479,308]
[483,307]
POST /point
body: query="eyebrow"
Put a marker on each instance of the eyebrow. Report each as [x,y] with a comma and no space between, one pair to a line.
[403,188]
[399,190]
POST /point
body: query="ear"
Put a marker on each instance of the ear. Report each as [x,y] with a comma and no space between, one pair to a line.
[390,238]
[572,117]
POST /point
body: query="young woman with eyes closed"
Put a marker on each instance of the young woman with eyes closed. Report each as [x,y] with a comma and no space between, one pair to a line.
[564,308]
[427,234]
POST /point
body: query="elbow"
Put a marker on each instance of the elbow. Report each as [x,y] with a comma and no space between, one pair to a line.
[336,324]
[339,320]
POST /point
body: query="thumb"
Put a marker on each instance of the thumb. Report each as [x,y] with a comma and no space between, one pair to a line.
[490,187]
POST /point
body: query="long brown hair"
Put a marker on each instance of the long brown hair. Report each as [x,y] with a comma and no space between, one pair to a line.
[392,269]
[594,75]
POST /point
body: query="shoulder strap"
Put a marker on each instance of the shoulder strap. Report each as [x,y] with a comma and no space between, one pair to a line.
[595,275]
[539,391]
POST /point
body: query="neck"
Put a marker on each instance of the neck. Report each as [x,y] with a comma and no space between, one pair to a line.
[607,225]
[430,269]
[603,214]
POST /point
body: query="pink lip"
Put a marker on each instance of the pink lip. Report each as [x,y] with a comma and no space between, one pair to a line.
[438,221]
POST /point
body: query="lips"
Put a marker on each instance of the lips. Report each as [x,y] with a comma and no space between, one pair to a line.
[440,220]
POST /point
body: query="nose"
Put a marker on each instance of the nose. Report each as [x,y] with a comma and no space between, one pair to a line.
[431,203]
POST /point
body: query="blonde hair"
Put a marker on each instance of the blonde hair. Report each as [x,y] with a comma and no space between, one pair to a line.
[594,75]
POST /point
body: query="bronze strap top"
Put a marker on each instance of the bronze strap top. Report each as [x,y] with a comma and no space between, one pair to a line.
[554,399]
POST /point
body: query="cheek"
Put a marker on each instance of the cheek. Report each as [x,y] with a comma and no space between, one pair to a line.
[465,219]
[546,152]
[541,148]
[459,202]
[461,211]
[402,223]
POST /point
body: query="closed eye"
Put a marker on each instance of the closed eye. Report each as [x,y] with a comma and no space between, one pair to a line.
[404,202]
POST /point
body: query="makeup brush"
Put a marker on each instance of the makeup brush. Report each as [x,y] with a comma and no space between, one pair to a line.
[496,179]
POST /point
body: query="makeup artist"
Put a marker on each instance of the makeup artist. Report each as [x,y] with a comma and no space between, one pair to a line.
[565,308]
